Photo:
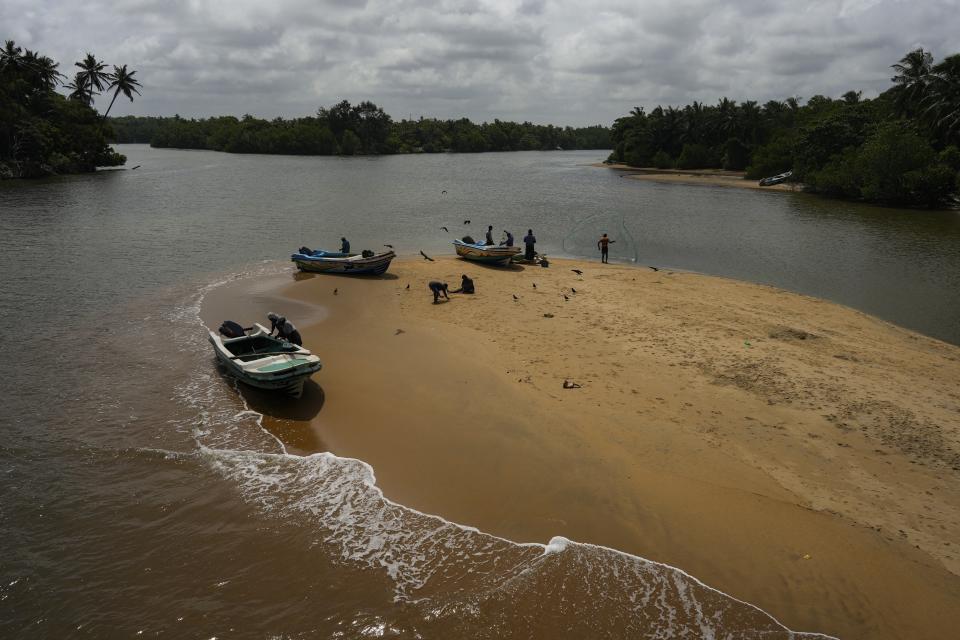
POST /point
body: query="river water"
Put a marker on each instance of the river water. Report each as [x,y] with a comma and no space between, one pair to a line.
[141,496]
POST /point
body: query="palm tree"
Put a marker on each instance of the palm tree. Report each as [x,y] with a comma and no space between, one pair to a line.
[78,88]
[942,102]
[913,75]
[92,75]
[41,70]
[10,55]
[123,82]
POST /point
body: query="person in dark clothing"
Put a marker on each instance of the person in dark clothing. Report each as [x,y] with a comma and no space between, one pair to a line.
[466,285]
[438,288]
[274,322]
[344,246]
[489,235]
[289,333]
[529,241]
[509,241]
[604,245]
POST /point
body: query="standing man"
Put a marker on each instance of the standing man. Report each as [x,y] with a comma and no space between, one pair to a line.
[344,246]
[604,245]
[529,240]
[490,235]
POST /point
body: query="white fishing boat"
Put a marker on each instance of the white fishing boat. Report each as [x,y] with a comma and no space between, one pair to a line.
[260,360]
[367,263]
[487,254]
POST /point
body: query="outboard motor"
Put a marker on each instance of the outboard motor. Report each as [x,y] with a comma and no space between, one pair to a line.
[230,329]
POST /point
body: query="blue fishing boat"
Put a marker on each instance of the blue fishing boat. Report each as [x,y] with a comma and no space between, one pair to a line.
[367,263]
[487,254]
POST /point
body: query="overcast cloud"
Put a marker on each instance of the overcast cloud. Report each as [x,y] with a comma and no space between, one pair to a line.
[564,62]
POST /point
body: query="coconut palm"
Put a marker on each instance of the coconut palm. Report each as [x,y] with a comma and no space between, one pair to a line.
[122,81]
[92,76]
[78,88]
[913,76]
[942,102]
[41,71]
[10,55]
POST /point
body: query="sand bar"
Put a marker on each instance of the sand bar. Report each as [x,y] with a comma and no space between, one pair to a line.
[792,452]
[706,177]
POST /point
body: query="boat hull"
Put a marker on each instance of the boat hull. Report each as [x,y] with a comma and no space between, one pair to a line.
[284,372]
[489,254]
[352,265]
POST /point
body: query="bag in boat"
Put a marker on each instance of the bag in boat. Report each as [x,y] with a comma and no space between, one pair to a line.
[468,240]
[231,329]
[366,253]
[307,251]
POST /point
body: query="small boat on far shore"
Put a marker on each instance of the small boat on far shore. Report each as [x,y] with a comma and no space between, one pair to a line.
[777,179]
[262,361]
[366,263]
[487,254]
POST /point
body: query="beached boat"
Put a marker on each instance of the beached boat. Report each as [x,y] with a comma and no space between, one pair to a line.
[263,361]
[777,179]
[488,254]
[344,263]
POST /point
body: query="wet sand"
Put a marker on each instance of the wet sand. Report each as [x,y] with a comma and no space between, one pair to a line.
[791,452]
[707,177]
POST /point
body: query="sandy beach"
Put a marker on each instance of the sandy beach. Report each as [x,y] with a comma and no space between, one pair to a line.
[794,453]
[707,177]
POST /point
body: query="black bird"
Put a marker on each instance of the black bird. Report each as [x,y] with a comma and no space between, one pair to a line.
[408,286]
[466,222]
[444,191]
[334,292]
[655,269]
[135,168]
[425,256]
[577,271]
[570,385]
[445,229]
[399,331]
[565,298]
[534,285]
[573,290]
[389,245]
[515,297]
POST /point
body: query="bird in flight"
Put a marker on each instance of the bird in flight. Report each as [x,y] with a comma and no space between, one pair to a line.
[445,229]
[577,271]
[389,245]
[399,331]
[444,191]
[425,256]
[655,269]
[466,222]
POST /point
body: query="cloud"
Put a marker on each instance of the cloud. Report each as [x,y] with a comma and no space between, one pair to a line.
[557,61]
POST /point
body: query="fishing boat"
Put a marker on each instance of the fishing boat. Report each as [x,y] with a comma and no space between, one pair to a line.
[777,179]
[366,263]
[487,254]
[256,358]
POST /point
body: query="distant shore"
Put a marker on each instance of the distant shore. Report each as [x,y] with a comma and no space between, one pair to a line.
[708,177]
[794,453]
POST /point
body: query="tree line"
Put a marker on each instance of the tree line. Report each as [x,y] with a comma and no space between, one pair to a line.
[43,132]
[345,129]
[900,148]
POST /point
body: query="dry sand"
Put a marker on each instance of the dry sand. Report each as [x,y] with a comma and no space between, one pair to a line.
[708,177]
[792,452]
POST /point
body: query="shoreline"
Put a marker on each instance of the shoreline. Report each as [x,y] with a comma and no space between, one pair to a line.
[685,445]
[706,177]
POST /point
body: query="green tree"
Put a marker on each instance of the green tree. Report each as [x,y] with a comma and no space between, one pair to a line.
[122,81]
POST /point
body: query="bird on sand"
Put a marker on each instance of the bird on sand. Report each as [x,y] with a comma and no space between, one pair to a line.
[399,331]
[466,222]
[534,285]
[334,292]
[565,298]
[655,269]
[408,286]
[425,256]
[570,385]
[445,229]
[573,290]
[388,246]
[577,271]
[515,297]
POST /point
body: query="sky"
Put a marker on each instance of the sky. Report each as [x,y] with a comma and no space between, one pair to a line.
[563,62]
